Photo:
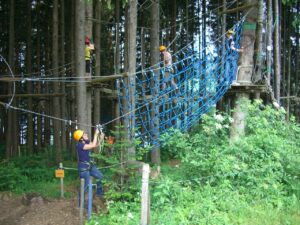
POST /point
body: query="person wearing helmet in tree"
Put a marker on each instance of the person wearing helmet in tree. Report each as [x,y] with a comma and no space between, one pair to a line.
[231,61]
[86,167]
[88,50]
[168,67]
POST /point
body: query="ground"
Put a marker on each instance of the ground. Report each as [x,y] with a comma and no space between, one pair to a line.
[35,210]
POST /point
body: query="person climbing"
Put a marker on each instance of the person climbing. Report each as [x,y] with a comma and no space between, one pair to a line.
[86,166]
[231,61]
[88,50]
[168,67]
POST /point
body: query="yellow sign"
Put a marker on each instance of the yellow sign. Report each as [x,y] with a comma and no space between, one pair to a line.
[59,173]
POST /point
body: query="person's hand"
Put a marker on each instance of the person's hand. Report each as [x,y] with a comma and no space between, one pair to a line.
[242,49]
[102,135]
[96,131]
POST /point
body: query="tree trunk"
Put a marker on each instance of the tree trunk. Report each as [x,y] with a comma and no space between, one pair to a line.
[297,67]
[80,65]
[257,74]
[88,32]
[289,48]
[12,134]
[269,42]
[39,85]
[71,54]
[46,105]
[64,132]
[223,31]
[173,24]
[245,72]
[154,54]
[97,99]
[56,87]
[117,58]
[277,51]
[131,70]
[30,130]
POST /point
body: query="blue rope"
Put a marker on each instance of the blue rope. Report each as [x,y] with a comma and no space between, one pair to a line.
[201,82]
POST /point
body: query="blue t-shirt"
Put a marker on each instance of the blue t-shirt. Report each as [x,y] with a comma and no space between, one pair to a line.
[83,155]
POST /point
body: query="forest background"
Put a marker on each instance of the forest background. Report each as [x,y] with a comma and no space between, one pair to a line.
[219,173]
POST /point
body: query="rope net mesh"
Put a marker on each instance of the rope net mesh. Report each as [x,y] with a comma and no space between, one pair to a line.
[155,106]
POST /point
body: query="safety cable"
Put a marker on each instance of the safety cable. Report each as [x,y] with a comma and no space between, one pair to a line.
[14,85]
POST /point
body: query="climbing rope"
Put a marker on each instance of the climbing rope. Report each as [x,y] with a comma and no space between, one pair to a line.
[201,82]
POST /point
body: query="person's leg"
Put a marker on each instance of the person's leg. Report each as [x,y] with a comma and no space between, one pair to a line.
[166,80]
[99,176]
[227,71]
[234,71]
[174,85]
[87,67]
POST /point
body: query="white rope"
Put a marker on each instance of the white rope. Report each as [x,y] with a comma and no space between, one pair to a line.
[14,85]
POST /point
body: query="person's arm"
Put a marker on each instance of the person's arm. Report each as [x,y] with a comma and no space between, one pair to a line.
[234,48]
[95,142]
[167,58]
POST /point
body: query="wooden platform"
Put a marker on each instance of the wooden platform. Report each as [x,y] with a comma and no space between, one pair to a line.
[247,88]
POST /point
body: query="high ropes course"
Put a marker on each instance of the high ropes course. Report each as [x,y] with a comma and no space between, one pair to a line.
[202,79]
[155,107]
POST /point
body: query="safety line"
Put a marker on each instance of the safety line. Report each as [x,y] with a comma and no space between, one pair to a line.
[14,85]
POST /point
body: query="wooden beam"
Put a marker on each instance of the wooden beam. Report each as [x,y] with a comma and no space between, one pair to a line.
[10,79]
[91,79]
[33,95]
[107,78]
[237,9]
[247,88]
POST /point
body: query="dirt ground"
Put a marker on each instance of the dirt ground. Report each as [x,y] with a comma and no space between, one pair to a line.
[35,210]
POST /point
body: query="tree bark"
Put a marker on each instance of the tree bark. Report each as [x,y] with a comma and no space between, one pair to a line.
[269,42]
[289,48]
[56,87]
[39,85]
[88,32]
[64,131]
[154,54]
[131,70]
[257,73]
[244,73]
[97,99]
[12,134]
[80,66]
[30,130]
[277,51]
[223,31]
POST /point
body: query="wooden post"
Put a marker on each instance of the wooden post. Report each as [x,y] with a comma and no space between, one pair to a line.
[90,198]
[145,210]
[81,201]
[61,182]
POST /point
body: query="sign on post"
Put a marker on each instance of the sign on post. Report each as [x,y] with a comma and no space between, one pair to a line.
[60,173]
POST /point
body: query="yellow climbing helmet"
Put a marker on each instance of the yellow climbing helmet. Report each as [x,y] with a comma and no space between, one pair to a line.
[162,48]
[230,32]
[77,135]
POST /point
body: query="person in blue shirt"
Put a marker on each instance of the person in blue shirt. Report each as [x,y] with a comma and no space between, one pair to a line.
[86,167]
[231,60]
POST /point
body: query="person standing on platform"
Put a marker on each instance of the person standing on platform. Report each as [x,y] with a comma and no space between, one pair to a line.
[168,67]
[231,60]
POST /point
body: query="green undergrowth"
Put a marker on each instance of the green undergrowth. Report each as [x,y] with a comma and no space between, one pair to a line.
[35,174]
[254,180]
[205,177]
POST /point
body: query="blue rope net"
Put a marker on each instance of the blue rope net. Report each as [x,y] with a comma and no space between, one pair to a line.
[158,107]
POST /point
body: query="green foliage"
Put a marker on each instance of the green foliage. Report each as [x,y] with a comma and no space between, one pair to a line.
[30,173]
